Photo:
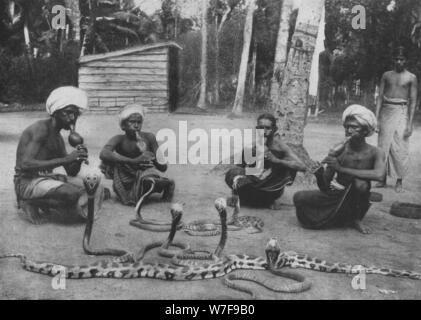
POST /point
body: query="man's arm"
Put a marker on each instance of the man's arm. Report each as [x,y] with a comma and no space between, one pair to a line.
[376,174]
[33,142]
[158,161]
[379,101]
[108,155]
[291,160]
[328,175]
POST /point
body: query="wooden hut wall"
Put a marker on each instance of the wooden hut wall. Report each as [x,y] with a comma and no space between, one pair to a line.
[140,76]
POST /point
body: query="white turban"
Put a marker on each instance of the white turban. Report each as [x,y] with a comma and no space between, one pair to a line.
[130,109]
[364,116]
[62,97]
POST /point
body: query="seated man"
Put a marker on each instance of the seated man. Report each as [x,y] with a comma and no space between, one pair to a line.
[129,158]
[344,200]
[41,149]
[281,166]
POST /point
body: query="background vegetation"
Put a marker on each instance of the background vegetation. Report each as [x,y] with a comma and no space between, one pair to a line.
[29,71]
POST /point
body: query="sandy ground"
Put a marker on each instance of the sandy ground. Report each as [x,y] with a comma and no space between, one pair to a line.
[395,242]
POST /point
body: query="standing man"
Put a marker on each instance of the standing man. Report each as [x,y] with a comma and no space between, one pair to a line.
[41,149]
[395,113]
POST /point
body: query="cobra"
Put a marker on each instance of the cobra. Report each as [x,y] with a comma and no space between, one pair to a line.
[151,225]
[91,182]
[140,269]
[212,228]
[136,268]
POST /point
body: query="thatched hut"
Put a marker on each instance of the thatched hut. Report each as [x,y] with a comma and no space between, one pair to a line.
[146,74]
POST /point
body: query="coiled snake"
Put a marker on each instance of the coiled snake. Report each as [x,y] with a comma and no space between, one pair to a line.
[212,228]
[274,261]
[129,266]
[151,225]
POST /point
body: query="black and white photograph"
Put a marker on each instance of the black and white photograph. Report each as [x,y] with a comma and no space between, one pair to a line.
[210,150]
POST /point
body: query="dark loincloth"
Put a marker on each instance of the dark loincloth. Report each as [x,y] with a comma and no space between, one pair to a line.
[260,193]
[317,209]
[129,182]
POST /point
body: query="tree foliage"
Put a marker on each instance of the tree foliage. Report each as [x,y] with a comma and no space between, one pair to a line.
[367,53]
[106,25]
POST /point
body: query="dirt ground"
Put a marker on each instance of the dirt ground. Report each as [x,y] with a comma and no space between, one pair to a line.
[395,242]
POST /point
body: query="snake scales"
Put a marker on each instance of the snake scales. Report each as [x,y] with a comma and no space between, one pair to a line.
[152,224]
[129,266]
[212,228]
[91,183]
[274,261]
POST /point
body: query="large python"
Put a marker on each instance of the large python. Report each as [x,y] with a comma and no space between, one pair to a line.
[141,269]
[278,260]
[275,260]
[130,266]
[185,257]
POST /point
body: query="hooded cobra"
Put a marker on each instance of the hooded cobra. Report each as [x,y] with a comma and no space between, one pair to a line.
[206,228]
[91,183]
[151,225]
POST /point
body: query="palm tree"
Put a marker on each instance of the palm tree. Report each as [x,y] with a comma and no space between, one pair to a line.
[281,53]
[242,75]
[201,104]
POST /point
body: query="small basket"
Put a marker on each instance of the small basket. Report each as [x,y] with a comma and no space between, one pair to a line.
[406,210]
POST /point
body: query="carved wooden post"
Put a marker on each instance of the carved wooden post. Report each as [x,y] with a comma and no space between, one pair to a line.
[292,107]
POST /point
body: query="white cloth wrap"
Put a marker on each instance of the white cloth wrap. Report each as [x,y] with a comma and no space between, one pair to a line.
[393,120]
[130,109]
[65,96]
[364,116]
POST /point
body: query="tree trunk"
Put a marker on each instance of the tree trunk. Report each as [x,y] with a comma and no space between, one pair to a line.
[281,54]
[242,75]
[93,13]
[217,100]
[74,15]
[203,63]
[253,73]
[292,109]
[218,30]
[28,47]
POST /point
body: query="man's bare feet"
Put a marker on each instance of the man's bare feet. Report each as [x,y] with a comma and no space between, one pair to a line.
[381,184]
[232,201]
[358,225]
[168,194]
[398,186]
[31,213]
[276,205]
[107,194]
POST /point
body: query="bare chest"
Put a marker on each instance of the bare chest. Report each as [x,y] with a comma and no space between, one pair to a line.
[398,82]
[52,147]
[357,160]
[130,148]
